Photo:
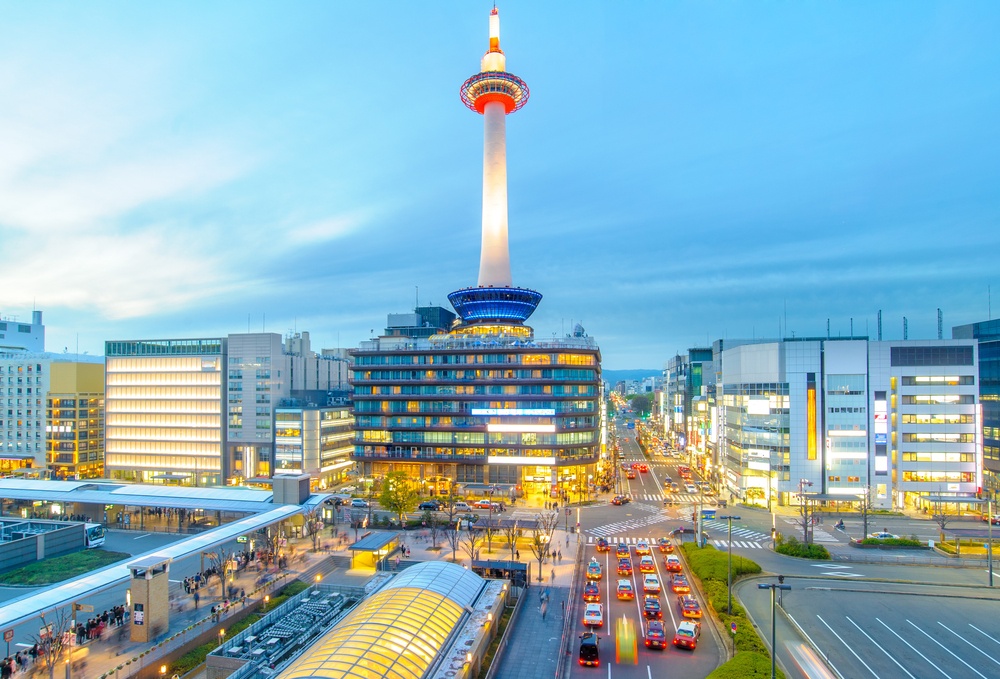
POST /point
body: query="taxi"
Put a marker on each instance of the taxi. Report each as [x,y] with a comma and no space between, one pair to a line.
[603,545]
[625,591]
[687,634]
[690,608]
[665,545]
[594,571]
[679,584]
[647,565]
[672,563]
[651,607]
[642,548]
[592,592]
[622,551]
[630,474]
[656,636]
[625,566]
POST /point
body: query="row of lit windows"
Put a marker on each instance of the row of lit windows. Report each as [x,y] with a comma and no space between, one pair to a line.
[142,460]
[162,380]
[164,392]
[850,479]
[164,434]
[480,390]
[364,359]
[935,380]
[162,447]
[938,418]
[466,406]
[492,375]
[418,452]
[938,477]
[939,457]
[365,421]
[938,399]
[938,437]
[846,410]
[28,368]
[173,406]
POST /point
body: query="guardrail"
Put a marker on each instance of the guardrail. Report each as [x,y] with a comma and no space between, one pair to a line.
[566,643]
[505,638]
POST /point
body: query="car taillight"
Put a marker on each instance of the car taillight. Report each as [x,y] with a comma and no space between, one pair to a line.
[582,662]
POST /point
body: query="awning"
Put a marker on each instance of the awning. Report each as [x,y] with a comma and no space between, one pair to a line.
[171,476]
[484,487]
[959,499]
[374,541]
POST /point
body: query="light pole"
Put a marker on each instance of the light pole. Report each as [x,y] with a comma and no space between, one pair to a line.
[729,579]
[773,586]
[989,544]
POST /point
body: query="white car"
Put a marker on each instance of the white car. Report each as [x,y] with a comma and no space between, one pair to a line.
[883,536]
[593,615]
[348,489]
[651,584]
[690,488]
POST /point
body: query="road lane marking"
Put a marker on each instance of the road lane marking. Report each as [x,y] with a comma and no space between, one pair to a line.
[142,536]
[991,658]
[879,647]
[913,648]
[912,624]
[983,633]
[848,647]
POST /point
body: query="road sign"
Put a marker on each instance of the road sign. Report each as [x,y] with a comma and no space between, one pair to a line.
[84,608]
[732,628]
[8,635]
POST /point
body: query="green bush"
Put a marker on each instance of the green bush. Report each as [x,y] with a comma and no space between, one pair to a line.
[894,542]
[708,563]
[58,568]
[792,547]
[746,666]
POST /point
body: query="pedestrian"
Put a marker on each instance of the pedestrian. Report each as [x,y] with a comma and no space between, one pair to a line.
[553,575]
[544,608]
[559,555]
[197,598]
[517,554]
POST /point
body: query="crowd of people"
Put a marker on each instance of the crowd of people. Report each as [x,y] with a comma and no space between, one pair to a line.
[95,627]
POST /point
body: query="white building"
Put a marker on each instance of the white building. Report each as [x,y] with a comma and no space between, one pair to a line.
[19,336]
[842,417]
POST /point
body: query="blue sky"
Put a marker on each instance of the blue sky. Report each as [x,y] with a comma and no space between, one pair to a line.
[682,172]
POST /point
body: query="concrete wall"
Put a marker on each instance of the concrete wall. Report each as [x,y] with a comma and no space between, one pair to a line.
[63,539]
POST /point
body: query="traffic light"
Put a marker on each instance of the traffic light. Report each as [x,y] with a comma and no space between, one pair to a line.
[781,579]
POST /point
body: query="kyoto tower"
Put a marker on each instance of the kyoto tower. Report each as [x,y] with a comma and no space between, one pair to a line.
[494,93]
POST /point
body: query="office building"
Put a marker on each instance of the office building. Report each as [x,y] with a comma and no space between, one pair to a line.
[315,440]
[74,428]
[19,336]
[840,418]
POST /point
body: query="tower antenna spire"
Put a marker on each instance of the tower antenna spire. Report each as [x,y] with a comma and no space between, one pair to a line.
[494,93]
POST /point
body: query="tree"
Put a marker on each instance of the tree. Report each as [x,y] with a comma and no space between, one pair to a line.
[398,495]
[471,540]
[865,504]
[641,404]
[941,517]
[52,639]
[371,490]
[490,528]
[222,561]
[541,537]
[453,536]
[511,532]
[433,524]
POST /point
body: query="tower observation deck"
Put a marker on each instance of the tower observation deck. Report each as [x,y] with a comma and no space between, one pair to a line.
[494,93]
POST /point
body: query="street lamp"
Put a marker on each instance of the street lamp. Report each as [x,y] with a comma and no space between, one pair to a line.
[729,579]
[773,586]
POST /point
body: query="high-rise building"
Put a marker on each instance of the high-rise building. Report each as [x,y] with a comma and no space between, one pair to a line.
[165,419]
[314,440]
[201,412]
[74,429]
[840,418]
[486,405]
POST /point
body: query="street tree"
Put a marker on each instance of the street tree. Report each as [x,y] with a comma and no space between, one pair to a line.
[52,639]
[471,541]
[511,532]
[540,535]
[865,504]
[453,536]
[398,495]
[489,529]
[941,517]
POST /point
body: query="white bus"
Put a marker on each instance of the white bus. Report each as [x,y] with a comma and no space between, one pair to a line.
[94,535]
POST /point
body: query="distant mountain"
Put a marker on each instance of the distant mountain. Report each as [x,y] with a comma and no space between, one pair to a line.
[613,376]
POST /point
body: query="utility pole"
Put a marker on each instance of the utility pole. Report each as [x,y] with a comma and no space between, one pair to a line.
[773,586]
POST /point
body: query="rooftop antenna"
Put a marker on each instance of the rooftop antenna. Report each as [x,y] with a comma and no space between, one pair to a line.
[852,327]
[940,324]
[906,328]
[879,325]
[828,328]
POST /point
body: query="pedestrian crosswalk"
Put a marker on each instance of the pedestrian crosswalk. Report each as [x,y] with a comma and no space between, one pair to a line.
[742,533]
[618,539]
[746,544]
[628,525]
[676,497]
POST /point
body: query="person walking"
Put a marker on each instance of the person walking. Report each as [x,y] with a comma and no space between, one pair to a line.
[553,575]
[544,608]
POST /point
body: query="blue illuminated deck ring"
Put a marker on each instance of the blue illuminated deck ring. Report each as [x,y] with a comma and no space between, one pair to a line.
[477,305]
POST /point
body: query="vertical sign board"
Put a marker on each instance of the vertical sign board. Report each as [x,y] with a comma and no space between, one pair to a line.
[881,429]
[138,614]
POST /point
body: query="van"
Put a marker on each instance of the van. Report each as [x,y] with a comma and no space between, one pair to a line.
[589,653]
[462,506]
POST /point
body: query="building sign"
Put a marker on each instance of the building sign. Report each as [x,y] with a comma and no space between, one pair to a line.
[881,428]
[759,466]
[503,412]
[138,615]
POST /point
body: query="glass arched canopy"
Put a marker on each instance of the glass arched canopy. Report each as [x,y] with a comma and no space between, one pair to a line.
[396,633]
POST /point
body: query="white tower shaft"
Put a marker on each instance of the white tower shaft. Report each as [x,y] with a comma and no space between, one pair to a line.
[494,261]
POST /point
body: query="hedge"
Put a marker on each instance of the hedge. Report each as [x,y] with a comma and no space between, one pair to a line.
[894,542]
[708,563]
[792,547]
[746,666]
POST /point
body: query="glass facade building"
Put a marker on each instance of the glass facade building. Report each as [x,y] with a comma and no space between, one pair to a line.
[509,413]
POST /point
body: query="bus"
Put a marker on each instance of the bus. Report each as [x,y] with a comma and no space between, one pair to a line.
[93,535]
